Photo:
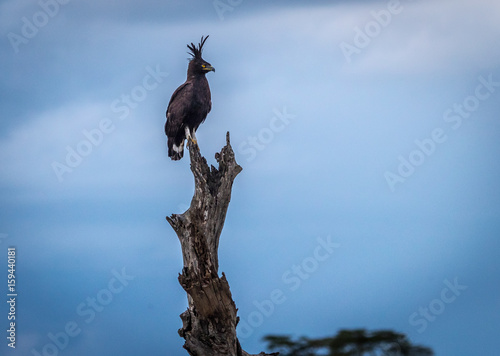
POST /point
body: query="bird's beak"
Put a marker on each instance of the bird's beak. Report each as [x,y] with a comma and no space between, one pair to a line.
[209,69]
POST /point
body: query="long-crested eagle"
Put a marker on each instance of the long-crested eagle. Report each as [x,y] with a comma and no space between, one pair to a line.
[190,103]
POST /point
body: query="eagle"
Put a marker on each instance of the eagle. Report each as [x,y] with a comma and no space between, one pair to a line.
[190,103]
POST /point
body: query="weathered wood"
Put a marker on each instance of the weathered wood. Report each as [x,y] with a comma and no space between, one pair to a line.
[209,323]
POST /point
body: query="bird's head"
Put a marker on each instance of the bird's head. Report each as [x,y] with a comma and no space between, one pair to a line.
[198,65]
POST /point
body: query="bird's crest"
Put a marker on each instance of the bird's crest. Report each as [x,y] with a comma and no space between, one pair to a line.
[196,52]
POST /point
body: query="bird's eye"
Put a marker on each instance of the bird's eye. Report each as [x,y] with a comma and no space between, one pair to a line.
[203,66]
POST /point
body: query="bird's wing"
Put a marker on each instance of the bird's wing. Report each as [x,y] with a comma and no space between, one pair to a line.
[177,108]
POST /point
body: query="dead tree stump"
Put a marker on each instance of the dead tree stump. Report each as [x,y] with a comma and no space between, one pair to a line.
[209,323]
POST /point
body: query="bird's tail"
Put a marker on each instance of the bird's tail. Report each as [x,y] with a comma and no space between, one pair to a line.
[175,151]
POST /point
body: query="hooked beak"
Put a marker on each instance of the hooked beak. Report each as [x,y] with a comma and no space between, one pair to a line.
[209,69]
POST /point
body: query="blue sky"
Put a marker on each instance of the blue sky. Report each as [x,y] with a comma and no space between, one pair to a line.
[369,198]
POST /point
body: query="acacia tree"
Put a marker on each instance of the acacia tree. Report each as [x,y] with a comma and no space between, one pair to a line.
[209,323]
[358,342]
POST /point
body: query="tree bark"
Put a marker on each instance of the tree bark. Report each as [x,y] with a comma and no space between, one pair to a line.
[209,323]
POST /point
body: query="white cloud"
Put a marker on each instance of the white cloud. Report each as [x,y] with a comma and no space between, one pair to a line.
[131,155]
[428,37]
[28,151]
[419,37]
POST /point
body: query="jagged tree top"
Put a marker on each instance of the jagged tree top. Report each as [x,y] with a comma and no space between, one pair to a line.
[196,51]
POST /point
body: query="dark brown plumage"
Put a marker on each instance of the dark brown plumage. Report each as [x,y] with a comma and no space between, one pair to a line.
[190,103]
